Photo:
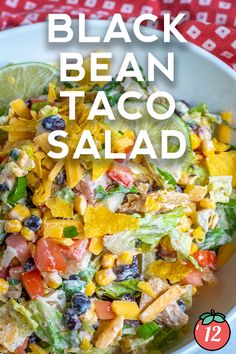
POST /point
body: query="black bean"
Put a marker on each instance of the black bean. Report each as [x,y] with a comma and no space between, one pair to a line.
[132,323]
[80,303]
[74,277]
[14,154]
[29,265]
[33,339]
[71,320]
[158,253]
[181,305]
[33,222]
[61,178]
[181,107]
[128,297]
[178,188]
[28,103]
[125,272]
[3,187]
[54,122]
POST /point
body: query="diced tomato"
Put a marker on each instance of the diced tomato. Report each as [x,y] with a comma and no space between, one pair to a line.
[194,278]
[103,310]
[17,242]
[206,259]
[77,250]
[48,256]
[122,175]
[21,349]
[15,272]
[33,283]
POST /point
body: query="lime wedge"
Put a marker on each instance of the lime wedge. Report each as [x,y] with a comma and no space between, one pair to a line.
[25,80]
[154,128]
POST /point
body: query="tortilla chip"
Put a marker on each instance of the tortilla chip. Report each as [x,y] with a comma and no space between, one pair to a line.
[224,164]
[172,271]
[99,221]
[60,208]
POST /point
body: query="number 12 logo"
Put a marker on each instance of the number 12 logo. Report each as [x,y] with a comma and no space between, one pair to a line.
[212,331]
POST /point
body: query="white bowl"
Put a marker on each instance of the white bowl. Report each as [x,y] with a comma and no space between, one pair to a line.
[200,77]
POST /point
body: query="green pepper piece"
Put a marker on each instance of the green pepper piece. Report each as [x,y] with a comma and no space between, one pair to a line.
[18,191]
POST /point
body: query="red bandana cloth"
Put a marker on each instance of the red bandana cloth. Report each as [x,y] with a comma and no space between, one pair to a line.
[211,24]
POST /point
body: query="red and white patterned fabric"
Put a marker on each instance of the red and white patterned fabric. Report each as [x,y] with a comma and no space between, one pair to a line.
[211,24]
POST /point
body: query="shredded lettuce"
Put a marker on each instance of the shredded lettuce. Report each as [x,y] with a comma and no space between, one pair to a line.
[119,289]
[168,178]
[152,228]
[220,188]
[214,238]
[87,274]
[227,216]
[147,330]
[72,287]
[16,324]
[102,194]
[181,242]
[201,108]
[66,194]
[50,326]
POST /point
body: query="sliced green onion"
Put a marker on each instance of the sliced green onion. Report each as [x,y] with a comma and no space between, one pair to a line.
[70,232]
[18,191]
[12,281]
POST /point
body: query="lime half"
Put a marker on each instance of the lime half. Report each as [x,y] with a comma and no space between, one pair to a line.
[154,128]
[25,80]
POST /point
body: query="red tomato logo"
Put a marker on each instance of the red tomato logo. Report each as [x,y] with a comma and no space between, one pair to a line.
[212,331]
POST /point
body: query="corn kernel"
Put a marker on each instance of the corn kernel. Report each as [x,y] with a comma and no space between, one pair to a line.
[184,224]
[3,286]
[36,212]
[19,212]
[96,245]
[193,249]
[90,288]
[53,280]
[198,233]
[125,258]
[207,204]
[28,234]
[195,141]
[108,260]
[224,133]
[12,226]
[225,252]
[36,349]
[207,148]
[104,277]
[151,204]
[85,344]
[80,204]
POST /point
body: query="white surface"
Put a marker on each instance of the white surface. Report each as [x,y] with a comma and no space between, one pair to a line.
[200,77]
